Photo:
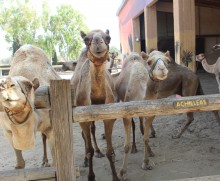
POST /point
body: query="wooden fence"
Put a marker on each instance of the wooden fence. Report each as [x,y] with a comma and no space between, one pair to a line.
[58,99]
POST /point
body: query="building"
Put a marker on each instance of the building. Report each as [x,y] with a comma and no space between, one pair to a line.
[184,27]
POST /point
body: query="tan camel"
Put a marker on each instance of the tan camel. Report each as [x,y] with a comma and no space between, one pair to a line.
[20,120]
[131,85]
[213,69]
[92,84]
[32,62]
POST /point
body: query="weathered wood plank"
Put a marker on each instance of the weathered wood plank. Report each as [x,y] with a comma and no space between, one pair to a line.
[61,120]
[47,173]
[146,108]
[207,178]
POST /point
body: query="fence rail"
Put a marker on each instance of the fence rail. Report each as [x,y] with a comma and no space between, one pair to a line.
[58,99]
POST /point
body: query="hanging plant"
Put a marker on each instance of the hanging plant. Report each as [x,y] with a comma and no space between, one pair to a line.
[187,57]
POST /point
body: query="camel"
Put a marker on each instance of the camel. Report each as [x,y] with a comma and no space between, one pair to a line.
[70,65]
[20,120]
[32,62]
[92,84]
[216,47]
[112,56]
[131,85]
[210,68]
[181,81]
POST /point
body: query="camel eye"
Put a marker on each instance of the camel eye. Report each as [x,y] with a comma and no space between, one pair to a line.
[12,85]
[149,62]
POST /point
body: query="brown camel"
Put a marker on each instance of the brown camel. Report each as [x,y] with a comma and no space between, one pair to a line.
[32,62]
[211,68]
[181,81]
[70,65]
[92,84]
[20,120]
[131,85]
[112,56]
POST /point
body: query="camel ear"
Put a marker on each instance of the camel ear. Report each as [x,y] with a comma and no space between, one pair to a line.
[167,54]
[82,34]
[36,83]
[144,55]
[107,32]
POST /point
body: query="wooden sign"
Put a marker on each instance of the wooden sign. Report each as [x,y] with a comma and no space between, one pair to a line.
[190,103]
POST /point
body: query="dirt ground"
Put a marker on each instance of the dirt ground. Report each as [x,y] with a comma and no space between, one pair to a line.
[195,154]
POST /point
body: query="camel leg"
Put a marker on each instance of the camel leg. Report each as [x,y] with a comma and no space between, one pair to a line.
[20,163]
[190,119]
[141,125]
[97,153]
[45,158]
[127,147]
[19,158]
[86,162]
[133,148]
[152,133]
[51,141]
[108,124]
[218,81]
[89,149]
[216,116]
[147,150]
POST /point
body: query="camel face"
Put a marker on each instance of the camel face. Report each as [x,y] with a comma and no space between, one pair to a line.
[200,57]
[97,43]
[12,94]
[158,61]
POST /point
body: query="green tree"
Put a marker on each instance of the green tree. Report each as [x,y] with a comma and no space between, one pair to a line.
[65,26]
[20,22]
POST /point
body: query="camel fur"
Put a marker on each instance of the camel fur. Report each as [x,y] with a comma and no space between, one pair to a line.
[216,47]
[213,69]
[132,85]
[92,84]
[70,65]
[32,62]
[20,120]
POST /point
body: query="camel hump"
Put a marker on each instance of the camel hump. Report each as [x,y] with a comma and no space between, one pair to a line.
[30,52]
[32,62]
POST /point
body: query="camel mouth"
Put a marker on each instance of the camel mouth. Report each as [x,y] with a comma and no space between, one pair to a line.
[162,78]
[100,53]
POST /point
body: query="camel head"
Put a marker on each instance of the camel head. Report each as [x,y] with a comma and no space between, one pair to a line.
[97,43]
[157,63]
[17,98]
[17,93]
[200,57]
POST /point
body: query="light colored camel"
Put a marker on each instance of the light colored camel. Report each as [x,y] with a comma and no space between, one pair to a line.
[213,69]
[32,62]
[20,120]
[131,85]
[92,84]
[216,47]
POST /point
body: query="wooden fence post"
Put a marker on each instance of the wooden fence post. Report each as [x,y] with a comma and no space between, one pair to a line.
[61,116]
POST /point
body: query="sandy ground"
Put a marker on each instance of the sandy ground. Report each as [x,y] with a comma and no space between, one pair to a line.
[195,154]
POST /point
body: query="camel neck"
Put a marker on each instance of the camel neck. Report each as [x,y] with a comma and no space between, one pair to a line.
[19,117]
[207,67]
[97,72]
